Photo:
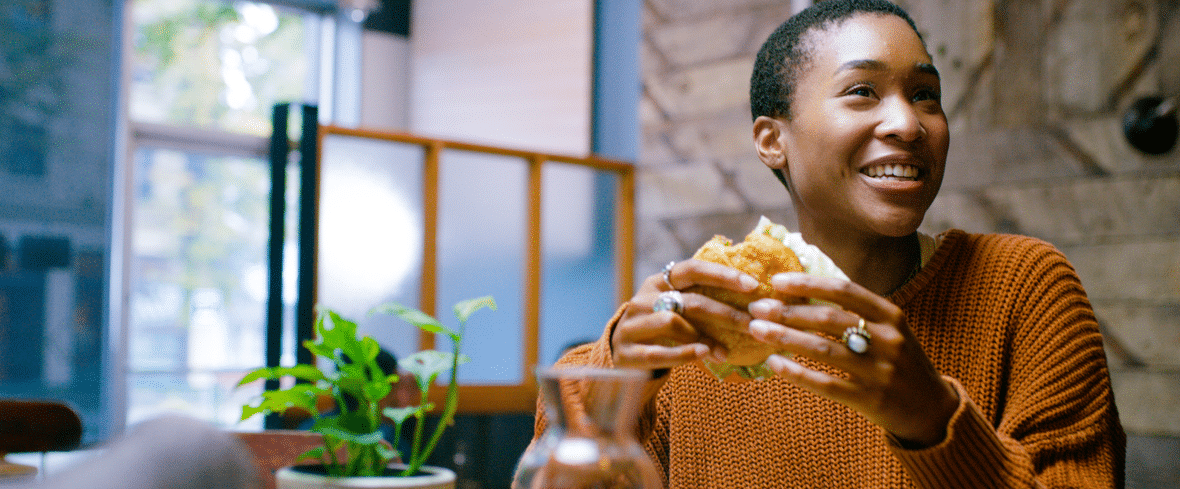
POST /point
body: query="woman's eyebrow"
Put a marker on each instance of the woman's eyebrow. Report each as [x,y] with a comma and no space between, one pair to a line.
[862,64]
[876,65]
[929,68]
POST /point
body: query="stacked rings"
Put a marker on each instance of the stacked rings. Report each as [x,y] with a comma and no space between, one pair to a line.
[671,300]
[857,338]
[668,275]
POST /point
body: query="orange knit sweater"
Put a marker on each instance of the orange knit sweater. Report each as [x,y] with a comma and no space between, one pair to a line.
[1004,319]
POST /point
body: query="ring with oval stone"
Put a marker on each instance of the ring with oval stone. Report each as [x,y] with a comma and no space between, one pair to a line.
[857,338]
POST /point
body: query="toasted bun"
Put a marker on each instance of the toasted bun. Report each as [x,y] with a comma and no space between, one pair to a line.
[761,257]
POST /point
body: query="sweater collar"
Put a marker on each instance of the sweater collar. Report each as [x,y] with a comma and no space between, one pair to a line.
[935,250]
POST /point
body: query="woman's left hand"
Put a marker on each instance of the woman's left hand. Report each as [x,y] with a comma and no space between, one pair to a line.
[893,384]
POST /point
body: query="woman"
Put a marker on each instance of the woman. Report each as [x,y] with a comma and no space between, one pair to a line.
[979,362]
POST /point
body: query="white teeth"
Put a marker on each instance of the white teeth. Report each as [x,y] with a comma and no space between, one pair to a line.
[897,171]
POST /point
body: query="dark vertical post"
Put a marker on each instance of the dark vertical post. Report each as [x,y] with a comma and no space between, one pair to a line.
[308,222]
[279,149]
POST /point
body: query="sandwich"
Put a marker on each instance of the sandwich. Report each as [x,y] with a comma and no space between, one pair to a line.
[767,250]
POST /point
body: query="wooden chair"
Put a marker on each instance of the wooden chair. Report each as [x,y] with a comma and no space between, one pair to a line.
[28,426]
[275,449]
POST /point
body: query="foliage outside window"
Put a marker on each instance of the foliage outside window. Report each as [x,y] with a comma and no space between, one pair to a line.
[216,65]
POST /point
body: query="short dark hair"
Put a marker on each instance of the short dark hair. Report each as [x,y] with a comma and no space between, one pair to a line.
[785,54]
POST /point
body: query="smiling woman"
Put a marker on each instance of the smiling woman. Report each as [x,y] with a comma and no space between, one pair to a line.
[957,360]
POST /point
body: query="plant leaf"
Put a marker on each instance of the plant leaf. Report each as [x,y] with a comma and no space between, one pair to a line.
[386,453]
[370,438]
[316,453]
[464,309]
[278,401]
[423,321]
[303,372]
[426,365]
[401,414]
[377,390]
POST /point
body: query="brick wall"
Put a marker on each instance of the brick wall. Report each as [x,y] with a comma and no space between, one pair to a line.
[1034,91]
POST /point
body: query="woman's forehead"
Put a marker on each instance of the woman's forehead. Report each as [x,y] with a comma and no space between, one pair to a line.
[867,39]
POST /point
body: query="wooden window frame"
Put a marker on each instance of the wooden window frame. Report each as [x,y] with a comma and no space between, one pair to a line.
[520,397]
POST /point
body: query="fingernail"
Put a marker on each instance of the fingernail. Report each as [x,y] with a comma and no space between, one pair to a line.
[719,354]
[783,279]
[759,328]
[748,282]
[760,307]
[779,363]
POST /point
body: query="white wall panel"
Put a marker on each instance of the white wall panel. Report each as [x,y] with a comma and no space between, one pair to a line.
[515,73]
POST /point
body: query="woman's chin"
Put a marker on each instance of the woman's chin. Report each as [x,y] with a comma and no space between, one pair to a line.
[897,224]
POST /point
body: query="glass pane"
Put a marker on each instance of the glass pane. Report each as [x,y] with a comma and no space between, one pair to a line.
[57,145]
[218,64]
[578,256]
[370,234]
[481,241]
[198,281]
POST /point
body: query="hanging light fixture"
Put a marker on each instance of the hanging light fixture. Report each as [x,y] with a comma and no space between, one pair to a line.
[358,10]
[1151,125]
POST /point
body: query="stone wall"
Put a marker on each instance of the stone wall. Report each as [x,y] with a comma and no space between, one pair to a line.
[1034,91]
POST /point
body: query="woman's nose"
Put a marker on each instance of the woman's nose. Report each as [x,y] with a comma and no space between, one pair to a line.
[900,120]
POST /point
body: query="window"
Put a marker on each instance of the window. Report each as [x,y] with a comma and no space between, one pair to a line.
[204,76]
[428,222]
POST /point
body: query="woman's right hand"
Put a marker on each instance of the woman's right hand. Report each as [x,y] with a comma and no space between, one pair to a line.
[649,340]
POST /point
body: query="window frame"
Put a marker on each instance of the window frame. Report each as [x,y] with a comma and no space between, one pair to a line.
[135,135]
[520,397]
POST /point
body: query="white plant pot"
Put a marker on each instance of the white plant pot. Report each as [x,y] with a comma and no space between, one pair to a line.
[433,478]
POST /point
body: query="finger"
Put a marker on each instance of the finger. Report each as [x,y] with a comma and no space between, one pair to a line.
[820,383]
[662,327]
[809,317]
[846,294]
[693,272]
[819,348]
[649,357]
[704,309]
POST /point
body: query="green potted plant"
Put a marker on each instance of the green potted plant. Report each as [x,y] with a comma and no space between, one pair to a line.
[353,443]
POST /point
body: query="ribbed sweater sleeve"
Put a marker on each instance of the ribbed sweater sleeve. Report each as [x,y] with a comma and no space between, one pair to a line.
[1058,426]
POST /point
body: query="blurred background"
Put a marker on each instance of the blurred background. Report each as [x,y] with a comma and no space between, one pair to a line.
[134,184]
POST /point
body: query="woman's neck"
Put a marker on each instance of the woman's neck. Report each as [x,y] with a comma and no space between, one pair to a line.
[881,264]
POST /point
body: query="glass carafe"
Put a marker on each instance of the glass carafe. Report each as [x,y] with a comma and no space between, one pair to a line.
[590,440]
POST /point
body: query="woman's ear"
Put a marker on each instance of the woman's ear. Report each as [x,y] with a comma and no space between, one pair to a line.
[769,142]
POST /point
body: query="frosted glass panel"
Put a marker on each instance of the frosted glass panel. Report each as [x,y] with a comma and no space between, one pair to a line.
[481,240]
[578,256]
[370,233]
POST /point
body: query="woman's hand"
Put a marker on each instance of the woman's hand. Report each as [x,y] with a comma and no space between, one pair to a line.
[892,384]
[649,340]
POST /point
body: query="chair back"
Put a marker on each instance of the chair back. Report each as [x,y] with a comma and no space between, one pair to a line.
[275,449]
[35,426]
[38,426]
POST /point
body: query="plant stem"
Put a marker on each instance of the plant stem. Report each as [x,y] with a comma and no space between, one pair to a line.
[419,421]
[448,411]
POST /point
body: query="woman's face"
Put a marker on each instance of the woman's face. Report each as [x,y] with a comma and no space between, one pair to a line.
[867,143]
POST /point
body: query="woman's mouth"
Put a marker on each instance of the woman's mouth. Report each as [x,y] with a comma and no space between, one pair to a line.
[892,172]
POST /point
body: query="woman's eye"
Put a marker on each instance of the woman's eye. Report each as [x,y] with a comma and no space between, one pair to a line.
[861,91]
[927,94]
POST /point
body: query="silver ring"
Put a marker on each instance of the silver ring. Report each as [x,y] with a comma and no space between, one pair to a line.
[857,338]
[671,300]
[668,275]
